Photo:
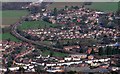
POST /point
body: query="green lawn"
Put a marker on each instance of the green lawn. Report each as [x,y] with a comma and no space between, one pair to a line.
[57,54]
[35,24]
[6,36]
[104,6]
[11,16]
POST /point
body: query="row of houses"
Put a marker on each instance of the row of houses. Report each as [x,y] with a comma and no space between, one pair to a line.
[75,32]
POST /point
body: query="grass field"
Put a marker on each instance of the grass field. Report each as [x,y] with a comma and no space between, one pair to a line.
[58,54]
[26,25]
[6,36]
[60,5]
[35,24]
[11,16]
[102,6]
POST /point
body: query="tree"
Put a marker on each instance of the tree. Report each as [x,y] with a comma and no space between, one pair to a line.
[108,50]
[71,72]
[92,52]
[114,51]
[55,12]
[103,21]
[34,9]
[8,71]
[9,64]
[66,7]
[51,54]
[59,44]
[87,3]
[76,7]
[91,73]
[114,72]
[72,7]
[39,69]
[21,69]
[111,25]
[8,39]
[69,43]
[100,51]
[81,50]
[117,50]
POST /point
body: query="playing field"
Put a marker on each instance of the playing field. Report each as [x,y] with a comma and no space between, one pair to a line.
[11,16]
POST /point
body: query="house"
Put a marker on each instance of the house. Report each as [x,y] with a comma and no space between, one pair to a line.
[69,48]
[67,58]
[75,59]
[52,21]
[91,57]
[78,56]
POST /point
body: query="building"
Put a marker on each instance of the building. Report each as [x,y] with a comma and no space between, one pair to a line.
[78,56]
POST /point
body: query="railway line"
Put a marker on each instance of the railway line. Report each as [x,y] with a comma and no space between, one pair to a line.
[17,35]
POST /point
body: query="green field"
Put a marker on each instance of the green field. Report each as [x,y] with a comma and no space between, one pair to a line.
[57,54]
[6,36]
[26,25]
[11,16]
[61,5]
[102,6]
[35,24]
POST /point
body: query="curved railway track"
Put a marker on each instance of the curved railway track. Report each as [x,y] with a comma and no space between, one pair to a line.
[17,35]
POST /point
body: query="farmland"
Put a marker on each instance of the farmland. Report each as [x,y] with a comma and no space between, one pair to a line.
[11,16]
[102,6]
[60,5]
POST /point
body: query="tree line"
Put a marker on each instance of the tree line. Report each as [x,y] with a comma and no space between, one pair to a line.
[13,5]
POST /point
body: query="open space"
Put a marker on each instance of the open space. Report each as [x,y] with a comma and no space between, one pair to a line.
[61,5]
[11,16]
[102,6]
[8,36]
[57,54]
[62,37]
[35,24]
